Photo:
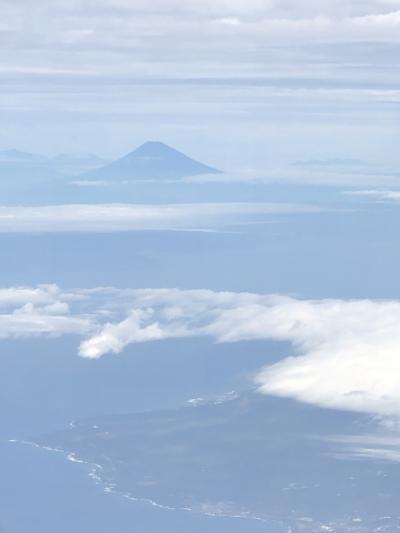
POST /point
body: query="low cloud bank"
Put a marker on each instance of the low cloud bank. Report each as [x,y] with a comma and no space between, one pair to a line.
[136,217]
[346,354]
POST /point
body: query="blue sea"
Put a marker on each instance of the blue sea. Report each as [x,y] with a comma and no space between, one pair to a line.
[41,491]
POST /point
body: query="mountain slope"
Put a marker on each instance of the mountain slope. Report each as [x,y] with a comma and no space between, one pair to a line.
[152,160]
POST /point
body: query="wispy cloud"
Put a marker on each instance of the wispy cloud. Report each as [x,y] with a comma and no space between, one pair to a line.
[131,217]
[378,195]
[382,446]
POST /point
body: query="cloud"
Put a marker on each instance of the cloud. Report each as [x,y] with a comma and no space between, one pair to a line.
[380,195]
[90,183]
[343,355]
[347,175]
[131,217]
[154,31]
[387,20]
[113,338]
[272,8]
[346,354]
[43,310]
[42,295]
[381,447]
[228,21]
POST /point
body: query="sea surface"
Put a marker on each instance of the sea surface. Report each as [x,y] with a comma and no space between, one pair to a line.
[41,491]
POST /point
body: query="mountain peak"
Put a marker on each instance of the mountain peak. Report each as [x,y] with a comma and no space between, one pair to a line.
[156,148]
[154,144]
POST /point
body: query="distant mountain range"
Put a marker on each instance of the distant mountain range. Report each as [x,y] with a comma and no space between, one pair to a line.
[76,164]
[16,164]
[151,161]
[17,157]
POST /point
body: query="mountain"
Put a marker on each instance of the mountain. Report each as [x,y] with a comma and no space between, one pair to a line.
[17,157]
[152,160]
[74,164]
[25,167]
[16,164]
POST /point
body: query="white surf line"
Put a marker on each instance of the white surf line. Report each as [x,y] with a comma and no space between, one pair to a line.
[35,445]
[111,488]
[69,456]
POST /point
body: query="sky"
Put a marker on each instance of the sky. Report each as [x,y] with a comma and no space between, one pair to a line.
[237,84]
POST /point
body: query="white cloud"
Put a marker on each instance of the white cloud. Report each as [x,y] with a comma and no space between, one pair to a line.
[345,354]
[380,195]
[130,217]
[90,183]
[43,294]
[270,8]
[335,175]
[373,446]
[387,20]
[229,21]
[31,322]
[115,337]
[155,30]
[43,310]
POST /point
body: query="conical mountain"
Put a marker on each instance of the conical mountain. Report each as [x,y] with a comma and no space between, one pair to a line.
[152,160]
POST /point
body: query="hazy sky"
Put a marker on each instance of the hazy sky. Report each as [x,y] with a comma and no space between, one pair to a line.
[233,82]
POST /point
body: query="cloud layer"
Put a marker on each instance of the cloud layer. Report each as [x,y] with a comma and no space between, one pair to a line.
[345,354]
[321,173]
[131,217]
